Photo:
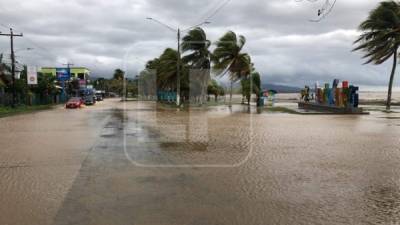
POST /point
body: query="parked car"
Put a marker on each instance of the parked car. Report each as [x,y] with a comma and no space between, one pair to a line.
[100,94]
[90,100]
[74,102]
[99,97]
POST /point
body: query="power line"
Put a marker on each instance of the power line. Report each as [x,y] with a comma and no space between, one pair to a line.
[324,11]
[54,56]
[217,10]
[5,26]
[306,0]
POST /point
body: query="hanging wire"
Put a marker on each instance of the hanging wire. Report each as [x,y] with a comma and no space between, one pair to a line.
[217,10]
[324,11]
[5,26]
[47,53]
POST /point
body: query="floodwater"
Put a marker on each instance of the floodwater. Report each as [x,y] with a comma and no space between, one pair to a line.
[139,163]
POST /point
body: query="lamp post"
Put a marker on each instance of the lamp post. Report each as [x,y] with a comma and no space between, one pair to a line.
[178,66]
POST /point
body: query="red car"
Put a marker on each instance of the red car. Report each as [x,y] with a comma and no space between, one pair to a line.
[74,103]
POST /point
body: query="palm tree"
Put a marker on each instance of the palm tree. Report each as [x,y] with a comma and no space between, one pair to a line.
[251,85]
[215,89]
[166,69]
[147,79]
[228,57]
[118,82]
[381,38]
[167,72]
[196,43]
[153,64]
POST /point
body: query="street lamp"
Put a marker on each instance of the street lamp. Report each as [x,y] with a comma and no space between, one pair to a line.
[178,31]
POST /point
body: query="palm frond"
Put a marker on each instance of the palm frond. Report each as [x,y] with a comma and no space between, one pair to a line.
[381,33]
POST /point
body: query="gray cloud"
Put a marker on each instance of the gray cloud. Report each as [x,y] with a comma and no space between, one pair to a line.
[103,35]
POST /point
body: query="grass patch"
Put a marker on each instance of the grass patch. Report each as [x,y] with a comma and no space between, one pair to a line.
[9,111]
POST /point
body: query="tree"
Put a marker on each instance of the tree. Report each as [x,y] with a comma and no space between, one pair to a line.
[116,86]
[45,87]
[196,44]
[117,83]
[2,86]
[73,87]
[146,81]
[381,38]
[167,73]
[119,74]
[100,83]
[251,85]
[131,88]
[215,89]
[4,71]
[228,57]
[167,70]
[153,64]
[21,86]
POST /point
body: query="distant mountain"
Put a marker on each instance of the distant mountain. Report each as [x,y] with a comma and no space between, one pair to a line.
[281,88]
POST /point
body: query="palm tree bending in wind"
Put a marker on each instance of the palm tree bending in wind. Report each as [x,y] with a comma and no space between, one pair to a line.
[381,38]
[196,43]
[228,57]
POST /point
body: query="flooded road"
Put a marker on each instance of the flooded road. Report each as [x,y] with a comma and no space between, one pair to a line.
[137,163]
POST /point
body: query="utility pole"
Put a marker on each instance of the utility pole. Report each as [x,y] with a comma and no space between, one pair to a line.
[69,75]
[14,91]
[178,71]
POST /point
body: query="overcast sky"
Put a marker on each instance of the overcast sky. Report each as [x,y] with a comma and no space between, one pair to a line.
[103,35]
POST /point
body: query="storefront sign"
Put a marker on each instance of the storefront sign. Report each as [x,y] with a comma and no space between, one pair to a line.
[62,74]
[32,75]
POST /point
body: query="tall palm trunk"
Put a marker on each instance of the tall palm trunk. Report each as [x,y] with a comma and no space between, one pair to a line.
[389,97]
[204,85]
[230,94]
